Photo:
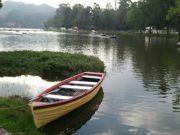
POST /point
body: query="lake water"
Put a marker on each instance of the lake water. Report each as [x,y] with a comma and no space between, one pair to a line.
[140,94]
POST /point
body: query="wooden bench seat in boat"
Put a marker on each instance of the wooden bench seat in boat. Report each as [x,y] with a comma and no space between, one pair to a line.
[52,96]
[91,77]
[83,82]
[75,87]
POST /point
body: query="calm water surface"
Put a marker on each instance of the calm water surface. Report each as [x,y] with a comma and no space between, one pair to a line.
[141,91]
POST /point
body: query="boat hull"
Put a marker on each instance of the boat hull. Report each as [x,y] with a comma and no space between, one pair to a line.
[42,116]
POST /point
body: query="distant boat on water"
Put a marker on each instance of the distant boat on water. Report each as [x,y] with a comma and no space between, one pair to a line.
[103,34]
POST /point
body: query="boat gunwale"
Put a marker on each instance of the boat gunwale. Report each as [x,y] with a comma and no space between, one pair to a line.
[42,106]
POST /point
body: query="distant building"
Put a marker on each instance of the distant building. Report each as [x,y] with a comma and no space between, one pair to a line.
[162,31]
[150,28]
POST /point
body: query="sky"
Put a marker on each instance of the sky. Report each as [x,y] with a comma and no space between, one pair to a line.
[55,3]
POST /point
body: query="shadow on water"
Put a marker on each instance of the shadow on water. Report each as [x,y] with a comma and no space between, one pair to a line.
[73,121]
[144,76]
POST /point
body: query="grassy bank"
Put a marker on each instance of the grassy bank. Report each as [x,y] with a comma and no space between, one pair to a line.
[48,65]
[16,118]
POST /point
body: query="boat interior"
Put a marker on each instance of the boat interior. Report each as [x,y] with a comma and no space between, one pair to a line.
[71,89]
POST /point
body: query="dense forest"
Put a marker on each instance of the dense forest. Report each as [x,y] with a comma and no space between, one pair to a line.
[18,14]
[161,14]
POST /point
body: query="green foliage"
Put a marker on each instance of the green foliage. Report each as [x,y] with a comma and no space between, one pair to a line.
[16,116]
[49,65]
[174,11]
[135,15]
[147,13]
[174,15]
[81,17]
[0,4]
[86,17]
[96,18]
[63,16]
[122,13]
[129,15]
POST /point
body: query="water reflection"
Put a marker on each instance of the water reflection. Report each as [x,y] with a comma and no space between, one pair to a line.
[142,85]
[176,100]
[158,66]
[75,120]
[104,48]
[25,86]
[30,41]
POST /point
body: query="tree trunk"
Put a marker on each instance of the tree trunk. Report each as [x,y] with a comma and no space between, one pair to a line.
[150,30]
[157,32]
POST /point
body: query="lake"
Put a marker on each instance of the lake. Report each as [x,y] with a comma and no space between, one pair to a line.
[140,94]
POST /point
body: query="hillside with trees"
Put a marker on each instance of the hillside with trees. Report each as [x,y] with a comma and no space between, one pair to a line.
[161,14]
[18,14]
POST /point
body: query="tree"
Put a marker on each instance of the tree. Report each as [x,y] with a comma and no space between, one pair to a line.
[76,14]
[130,15]
[155,12]
[49,23]
[148,13]
[174,15]
[96,16]
[135,15]
[63,16]
[86,18]
[122,13]
[0,3]
[81,17]
[108,17]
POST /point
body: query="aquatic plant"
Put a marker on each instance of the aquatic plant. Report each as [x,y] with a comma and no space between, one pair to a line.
[48,65]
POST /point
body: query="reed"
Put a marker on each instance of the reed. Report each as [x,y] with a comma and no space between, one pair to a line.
[48,65]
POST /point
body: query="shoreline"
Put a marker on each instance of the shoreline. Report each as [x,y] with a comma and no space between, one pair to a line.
[16,115]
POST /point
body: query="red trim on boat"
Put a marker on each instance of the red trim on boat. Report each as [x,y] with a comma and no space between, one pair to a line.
[39,106]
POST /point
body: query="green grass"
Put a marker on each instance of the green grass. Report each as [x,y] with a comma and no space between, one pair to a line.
[16,118]
[48,65]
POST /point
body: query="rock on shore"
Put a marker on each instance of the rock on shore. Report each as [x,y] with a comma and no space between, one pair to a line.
[4,132]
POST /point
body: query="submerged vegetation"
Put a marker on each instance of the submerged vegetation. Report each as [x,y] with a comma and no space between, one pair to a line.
[48,65]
